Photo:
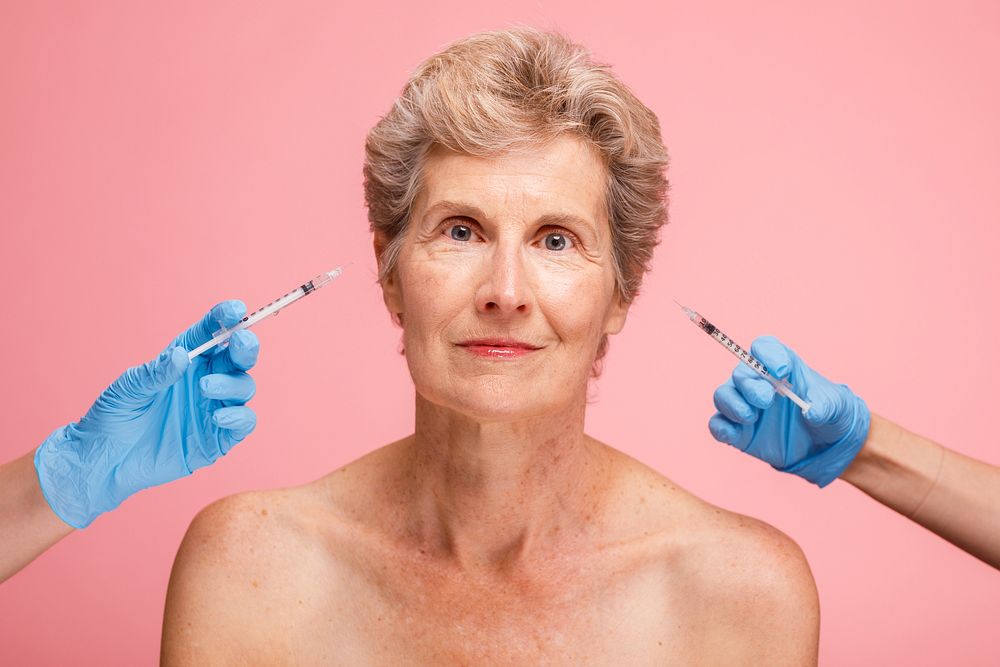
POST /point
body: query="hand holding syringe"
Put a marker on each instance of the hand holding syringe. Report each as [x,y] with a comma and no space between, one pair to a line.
[817,441]
[161,420]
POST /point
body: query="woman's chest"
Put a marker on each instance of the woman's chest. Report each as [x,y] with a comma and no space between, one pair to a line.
[589,617]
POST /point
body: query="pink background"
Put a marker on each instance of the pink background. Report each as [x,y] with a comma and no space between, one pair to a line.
[835,182]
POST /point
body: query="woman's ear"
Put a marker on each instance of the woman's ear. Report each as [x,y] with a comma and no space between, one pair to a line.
[391,294]
[617,315]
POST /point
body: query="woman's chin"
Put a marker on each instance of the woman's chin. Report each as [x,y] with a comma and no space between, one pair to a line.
[497,400]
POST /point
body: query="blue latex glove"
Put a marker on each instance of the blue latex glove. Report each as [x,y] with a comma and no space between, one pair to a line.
[817,445]
[155,423]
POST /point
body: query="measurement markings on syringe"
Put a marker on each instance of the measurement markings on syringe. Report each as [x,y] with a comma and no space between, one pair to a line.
[733,346]
[781,386]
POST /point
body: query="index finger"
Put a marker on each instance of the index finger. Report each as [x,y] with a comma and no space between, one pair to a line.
[775,355]
[757,391]
[239,355]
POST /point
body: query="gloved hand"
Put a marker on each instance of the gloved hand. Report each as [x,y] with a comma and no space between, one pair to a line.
[817,445]
[155,423]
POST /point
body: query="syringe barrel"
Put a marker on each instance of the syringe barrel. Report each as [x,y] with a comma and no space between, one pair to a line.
[272,308]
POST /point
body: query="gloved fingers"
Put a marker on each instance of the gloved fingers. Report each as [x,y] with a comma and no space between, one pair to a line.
[226,313]
[729,432]
[240,355]
[233,388]
[755,390]
[235,424]
[775,356]
[731,404]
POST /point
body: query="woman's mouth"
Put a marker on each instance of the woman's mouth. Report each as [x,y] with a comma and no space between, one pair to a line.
[498,348]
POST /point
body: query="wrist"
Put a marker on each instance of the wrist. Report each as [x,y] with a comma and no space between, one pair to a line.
[22,497]
[877,452]
[897,467]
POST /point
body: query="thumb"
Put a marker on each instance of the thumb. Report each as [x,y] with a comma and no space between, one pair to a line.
[226,314]
[821,410]
[168,368]
[154,376]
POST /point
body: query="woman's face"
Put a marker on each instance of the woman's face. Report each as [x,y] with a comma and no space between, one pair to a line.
[505,283]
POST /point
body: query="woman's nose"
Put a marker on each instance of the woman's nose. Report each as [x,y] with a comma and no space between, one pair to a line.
[504,289]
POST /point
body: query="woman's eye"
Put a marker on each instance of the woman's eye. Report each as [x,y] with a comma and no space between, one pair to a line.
[554,241]
[460,232]
[557,242]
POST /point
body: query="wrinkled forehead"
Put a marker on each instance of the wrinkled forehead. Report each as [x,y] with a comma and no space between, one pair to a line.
[562,177]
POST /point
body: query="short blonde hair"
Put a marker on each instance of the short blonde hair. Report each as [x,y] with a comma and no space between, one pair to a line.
[495,92]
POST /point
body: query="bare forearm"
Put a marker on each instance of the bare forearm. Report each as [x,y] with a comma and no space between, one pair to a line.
[953,495]
[28,525]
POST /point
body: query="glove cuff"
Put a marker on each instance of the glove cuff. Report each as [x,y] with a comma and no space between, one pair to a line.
[65,476]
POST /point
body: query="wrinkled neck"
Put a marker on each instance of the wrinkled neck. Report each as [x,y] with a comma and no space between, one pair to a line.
[493,496]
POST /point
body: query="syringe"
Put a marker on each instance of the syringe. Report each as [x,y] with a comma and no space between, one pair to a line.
[222,336]
[780,386]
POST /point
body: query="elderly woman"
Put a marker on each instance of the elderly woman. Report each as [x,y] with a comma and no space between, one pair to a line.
[515,192]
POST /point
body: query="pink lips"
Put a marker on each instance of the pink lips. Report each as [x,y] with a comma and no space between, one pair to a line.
[498,348]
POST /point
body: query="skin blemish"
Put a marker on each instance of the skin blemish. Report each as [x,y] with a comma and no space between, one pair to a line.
[263,512]
[255,584]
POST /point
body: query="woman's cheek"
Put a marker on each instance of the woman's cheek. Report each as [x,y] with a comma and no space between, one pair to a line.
[575,292]
[434,300]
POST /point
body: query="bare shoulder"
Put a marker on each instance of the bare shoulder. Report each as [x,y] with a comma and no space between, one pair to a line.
[742,580]
[241,554]
[758,585]
[750,562]
[258,571]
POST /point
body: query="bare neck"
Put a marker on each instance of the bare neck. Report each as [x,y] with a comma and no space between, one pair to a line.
[491,497]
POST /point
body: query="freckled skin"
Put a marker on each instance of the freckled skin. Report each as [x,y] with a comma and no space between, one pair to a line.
[498,532]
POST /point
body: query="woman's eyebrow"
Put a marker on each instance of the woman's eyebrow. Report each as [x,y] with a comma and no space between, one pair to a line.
[447,206]
[454,208]
[568,220]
